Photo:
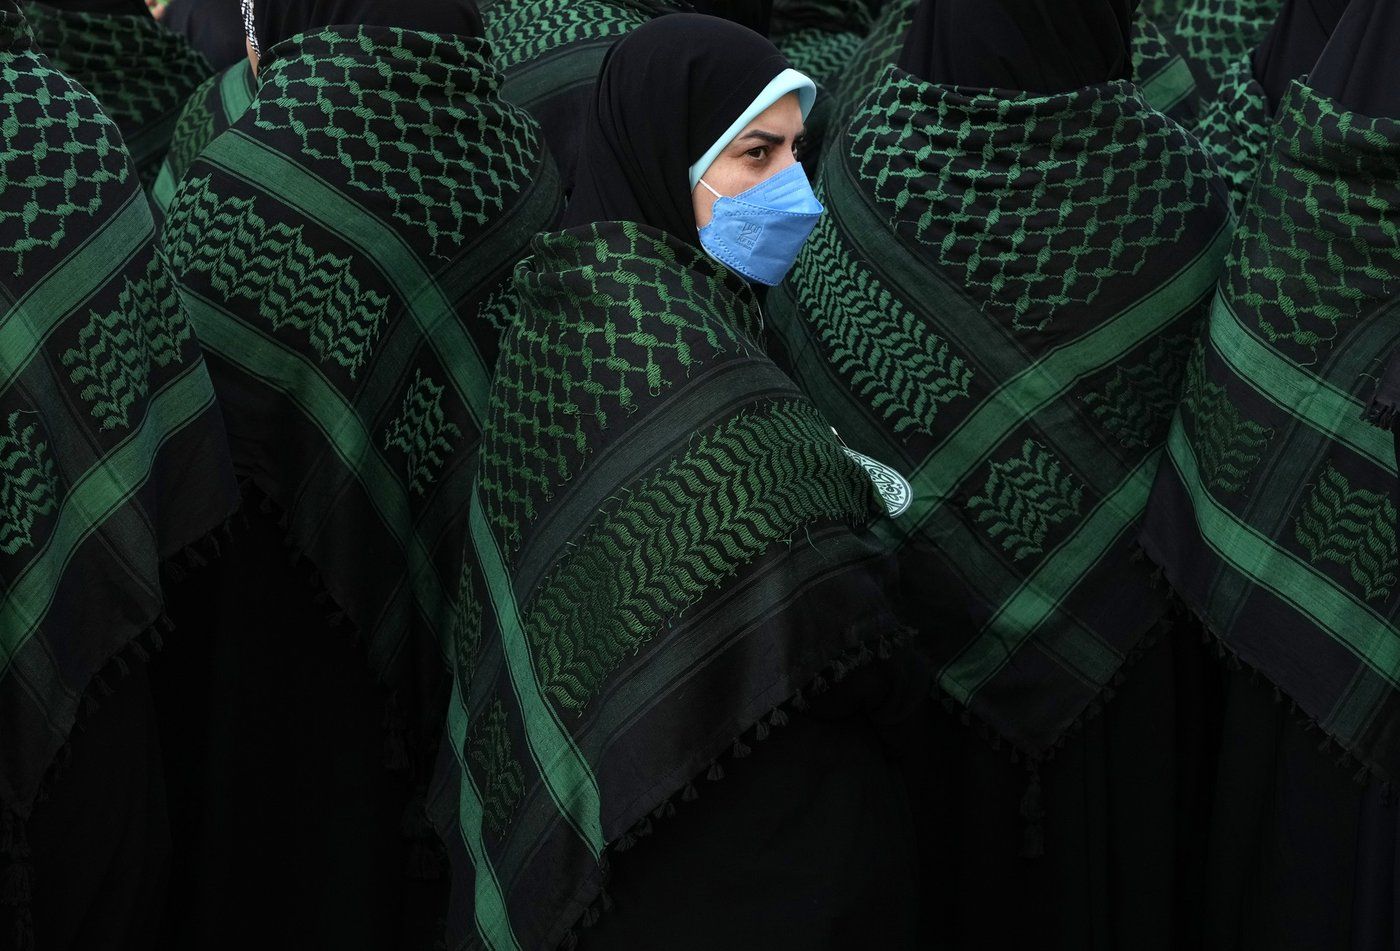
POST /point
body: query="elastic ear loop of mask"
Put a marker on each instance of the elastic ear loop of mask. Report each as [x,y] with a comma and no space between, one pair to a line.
[249,27]
[712,191]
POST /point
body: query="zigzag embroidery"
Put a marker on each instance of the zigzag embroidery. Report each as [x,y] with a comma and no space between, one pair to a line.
[270,265]
[1137,403]
[28,483]
[116,351]
[1354,528]
[466,630]
[422,432]
[503,779]
[889,357]
[1228,446]
[1025,497]
[742,486]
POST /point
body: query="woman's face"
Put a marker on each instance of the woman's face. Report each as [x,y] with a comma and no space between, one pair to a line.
[763,149]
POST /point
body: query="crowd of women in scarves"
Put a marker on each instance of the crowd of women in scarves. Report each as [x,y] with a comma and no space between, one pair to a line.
[752,474]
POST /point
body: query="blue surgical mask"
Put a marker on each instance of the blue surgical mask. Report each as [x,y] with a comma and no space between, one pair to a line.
[758,233]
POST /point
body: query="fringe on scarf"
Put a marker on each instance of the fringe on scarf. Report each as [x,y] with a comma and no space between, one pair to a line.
[16,857]
[1385,400]
[402,753]
[1032,807]
[1363,771]
[853,658]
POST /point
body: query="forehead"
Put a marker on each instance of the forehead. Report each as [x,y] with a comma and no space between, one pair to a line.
[783,116]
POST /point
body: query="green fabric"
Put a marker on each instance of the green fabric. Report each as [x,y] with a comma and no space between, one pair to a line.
[1275,518]
[668,542]
[549,53]
[218,103]
[998,305]
[140,72]
[112,455]
[334,248]
[1160,71]
[1234,128]
[1214,34]
[820,38]
[879,50]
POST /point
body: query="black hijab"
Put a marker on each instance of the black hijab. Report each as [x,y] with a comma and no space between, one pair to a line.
[666,93]
[277,20]
[757,15]
[1360,67]
[130,8]
[1037,46]
[1292,47]
[212,26]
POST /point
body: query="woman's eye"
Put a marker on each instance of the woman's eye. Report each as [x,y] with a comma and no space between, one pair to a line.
[760,153]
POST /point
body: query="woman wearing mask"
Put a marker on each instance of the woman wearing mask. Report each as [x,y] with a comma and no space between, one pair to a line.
[671,560]
[341,250]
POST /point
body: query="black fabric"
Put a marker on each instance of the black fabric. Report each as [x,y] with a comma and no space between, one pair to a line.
[277,20]
[101,840]
[1122,806]
[105,7]
[757,15]
[1294,43]
[1360,68]
[213,27]
[806,845]
[665,94]
[285,821]
[1037,46]
[1301,856]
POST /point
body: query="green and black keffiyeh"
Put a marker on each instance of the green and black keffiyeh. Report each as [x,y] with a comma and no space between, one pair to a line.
[341,250]
[140,72]
[879,49]
[217,104]
[998,304]
[112,455]
[1214,34]
[549,53]
[820,39]
[1161,72]
[668,544]
[1234,128]
[1275,514]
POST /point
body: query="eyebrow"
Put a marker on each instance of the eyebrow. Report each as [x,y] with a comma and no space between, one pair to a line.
[772,138]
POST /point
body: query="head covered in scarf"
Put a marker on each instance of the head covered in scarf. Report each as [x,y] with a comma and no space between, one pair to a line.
[667,95]
[1360,66]
[1292,46]
[1037,46]
[269,22]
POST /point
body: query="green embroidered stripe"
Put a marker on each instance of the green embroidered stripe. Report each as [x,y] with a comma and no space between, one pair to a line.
[1284,575]
[1039,595]
[565,771]
[1041,384]
[551,75]
[102,490]
[1288,386]
[1169,85]
[492,917]
[103,254]
[301,381]
[236,90]
[435,315]
[163,191]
